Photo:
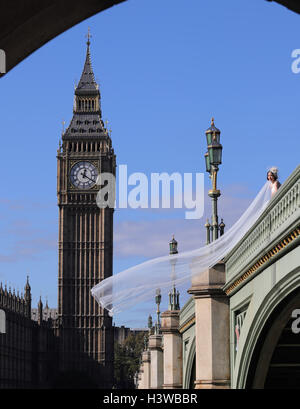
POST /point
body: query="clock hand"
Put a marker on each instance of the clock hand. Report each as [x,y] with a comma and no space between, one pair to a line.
[90,179]
[84,175]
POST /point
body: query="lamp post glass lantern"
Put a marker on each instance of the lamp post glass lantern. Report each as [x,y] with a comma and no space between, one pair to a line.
[215,154]
[173,246]
[207,163]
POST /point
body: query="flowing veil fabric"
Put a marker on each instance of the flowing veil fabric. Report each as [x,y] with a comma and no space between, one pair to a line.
[136,284]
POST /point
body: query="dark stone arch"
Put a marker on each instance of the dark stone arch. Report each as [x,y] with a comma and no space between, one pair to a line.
[190,368]
[193,374]
[262,371]
[26,25]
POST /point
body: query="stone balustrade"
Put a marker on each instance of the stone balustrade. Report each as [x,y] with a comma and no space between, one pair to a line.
[276,228]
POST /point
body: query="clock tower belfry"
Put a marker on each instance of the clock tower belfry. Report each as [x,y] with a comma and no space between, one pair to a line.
[85,238]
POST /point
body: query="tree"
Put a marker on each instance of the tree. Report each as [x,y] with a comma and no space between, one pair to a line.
[127,360]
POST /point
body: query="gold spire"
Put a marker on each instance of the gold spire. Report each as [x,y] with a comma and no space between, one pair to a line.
[212,121]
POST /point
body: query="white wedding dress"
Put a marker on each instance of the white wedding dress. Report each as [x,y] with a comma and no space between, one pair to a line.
[136,284]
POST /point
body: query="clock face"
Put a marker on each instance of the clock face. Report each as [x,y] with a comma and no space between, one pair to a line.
[83,175]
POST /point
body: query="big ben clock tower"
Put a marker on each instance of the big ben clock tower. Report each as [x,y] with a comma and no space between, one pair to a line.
[85,238]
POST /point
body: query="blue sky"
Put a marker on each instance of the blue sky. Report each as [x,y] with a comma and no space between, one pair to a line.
[164,71]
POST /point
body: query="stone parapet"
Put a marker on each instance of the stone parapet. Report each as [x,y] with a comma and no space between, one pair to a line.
[268,238]
[170,322]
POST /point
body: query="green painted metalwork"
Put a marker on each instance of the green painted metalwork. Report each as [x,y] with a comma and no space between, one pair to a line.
[213,158]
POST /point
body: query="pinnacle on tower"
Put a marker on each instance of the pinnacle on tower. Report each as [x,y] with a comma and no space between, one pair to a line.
[87,115]
[27,286]
[87,82]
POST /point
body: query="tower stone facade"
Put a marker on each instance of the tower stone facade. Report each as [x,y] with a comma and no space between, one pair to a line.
[71,346]
[85,238]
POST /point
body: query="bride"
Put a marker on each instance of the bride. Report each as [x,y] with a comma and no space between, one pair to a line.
[272,176]
[138,283]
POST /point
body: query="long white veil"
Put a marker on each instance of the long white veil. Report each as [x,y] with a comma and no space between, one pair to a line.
[138,283]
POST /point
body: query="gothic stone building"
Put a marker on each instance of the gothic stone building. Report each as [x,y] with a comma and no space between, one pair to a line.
[73,345]
[28,348]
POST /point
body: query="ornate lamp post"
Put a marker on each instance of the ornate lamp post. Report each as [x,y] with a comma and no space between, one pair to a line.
[213,158]
[157,302]
[173,295]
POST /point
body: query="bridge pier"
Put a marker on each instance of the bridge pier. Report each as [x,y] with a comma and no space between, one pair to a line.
[172,350]
[157,365]
[147,370]
[212,329]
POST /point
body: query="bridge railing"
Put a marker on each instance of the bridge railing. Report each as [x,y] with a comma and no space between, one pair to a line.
[280,217]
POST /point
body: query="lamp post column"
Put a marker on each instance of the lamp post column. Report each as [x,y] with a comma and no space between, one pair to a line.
[214,194]
[156,350]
